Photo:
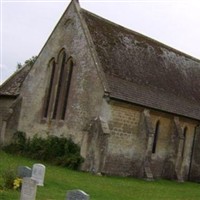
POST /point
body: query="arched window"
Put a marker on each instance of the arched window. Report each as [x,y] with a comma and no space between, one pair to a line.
[48,98]
[59,85]
[68,76]
[184,140]
[61,62]
[155,136]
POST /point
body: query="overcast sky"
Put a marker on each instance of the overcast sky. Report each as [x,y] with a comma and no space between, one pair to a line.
[26,25]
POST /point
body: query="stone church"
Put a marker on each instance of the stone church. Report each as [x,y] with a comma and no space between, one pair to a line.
[130,102]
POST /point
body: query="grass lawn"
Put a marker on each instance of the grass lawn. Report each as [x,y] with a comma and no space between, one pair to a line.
[58,180]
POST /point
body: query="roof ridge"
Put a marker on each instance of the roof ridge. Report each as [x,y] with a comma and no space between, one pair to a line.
[94,54]
[144,36]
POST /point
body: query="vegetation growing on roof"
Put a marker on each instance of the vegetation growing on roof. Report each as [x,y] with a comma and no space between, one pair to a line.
[29,61]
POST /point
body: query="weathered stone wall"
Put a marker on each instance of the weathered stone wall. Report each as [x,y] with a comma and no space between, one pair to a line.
[12,120]
[5,103]
[96,146]
[86,90]
[129,151]
[122,141]
[195,164]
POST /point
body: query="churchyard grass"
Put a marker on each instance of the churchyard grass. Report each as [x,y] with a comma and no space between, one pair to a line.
[58,180]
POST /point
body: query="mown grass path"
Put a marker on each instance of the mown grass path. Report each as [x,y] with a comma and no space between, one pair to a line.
[58,180]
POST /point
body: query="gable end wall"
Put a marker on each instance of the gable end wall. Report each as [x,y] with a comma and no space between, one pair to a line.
[86,90]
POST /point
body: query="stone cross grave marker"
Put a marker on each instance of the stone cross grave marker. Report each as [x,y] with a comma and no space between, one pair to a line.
[77,195]
[29,188]
[24,171]
[38,173]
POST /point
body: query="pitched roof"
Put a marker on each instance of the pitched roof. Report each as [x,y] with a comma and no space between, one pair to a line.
[141,70]
[11,87]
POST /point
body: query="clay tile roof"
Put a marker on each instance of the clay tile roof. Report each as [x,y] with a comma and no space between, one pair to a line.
[141,70]
[11,87]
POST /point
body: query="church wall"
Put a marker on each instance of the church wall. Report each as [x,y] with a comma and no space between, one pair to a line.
[86,91]
[12,121]
[122,141]
[195,163]
[128,141]
[5,103]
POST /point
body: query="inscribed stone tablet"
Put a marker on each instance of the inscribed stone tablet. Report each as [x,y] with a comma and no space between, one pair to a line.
[77,195]
[38,173]
[24,171]
[29,188]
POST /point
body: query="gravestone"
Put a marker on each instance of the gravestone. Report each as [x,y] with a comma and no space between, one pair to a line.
[77,195]
[29,188]
[38,173]
[24,171]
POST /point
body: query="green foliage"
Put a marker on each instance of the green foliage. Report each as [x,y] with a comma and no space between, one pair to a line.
[56,150]
[18,144]
[8,177]
[29,61]
[19,66]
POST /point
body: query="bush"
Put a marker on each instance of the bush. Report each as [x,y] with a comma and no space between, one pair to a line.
[8,176]
[18,143]
[55,150]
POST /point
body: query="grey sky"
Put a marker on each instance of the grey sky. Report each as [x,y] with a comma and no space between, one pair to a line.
[26,25]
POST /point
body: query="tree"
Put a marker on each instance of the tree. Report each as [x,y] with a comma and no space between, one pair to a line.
[30,61]
[19,66]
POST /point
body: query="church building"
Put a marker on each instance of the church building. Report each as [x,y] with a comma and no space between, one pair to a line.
[131,103]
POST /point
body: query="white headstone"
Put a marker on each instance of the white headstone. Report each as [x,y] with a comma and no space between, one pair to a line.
[38,173]
[29,188]
[77,195]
